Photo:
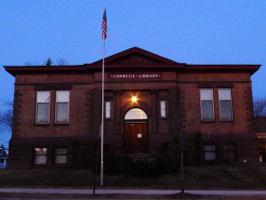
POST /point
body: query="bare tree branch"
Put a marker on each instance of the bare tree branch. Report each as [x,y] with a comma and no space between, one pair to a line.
[259,105]
[28,63]
[62,62]
[6,117]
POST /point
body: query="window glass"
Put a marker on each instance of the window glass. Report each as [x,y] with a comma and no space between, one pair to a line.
[210,152]
[62,106]
[40,156]
[229,152]
[207,110]
[42,107]
[136,113]
[210,156]
[62,113]
[225,104]
[163,108]
[225,109]
[107,109]
[42,113]
[225,94]
[209,148]
[61,156]
[228,147]
[206,97]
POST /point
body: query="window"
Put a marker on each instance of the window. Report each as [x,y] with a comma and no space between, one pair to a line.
[62,107]
[210,152]
[225,102]
[108,109]
[42,107]
[60,156]
[40,155]
[229,152]
[136,113]
[206,99]
[163,109]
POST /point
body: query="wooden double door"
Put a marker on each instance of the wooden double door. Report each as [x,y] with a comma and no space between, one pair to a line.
[136,137]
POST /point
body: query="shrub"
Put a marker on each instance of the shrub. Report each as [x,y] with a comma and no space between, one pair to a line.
[144,168]
[117,165]
[167,163]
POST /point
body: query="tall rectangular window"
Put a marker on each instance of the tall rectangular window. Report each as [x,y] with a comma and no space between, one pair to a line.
[107,109]
[62,107]
[206,99]
[42,107]
[40,155]
[163,109]
[225,102]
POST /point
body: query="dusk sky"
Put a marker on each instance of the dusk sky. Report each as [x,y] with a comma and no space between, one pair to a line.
[186,31]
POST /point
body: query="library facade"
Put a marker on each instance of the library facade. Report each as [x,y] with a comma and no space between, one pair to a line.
[149,100]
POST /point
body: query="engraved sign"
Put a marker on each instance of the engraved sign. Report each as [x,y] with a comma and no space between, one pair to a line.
[132,76]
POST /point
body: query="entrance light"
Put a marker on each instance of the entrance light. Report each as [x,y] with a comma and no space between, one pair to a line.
[134,99]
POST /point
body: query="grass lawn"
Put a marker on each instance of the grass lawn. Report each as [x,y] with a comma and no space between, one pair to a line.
[235,176]
[239,176]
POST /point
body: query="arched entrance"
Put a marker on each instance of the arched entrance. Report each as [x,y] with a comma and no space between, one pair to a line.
[136,131]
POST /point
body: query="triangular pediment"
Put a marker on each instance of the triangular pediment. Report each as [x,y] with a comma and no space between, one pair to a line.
[136,55]
[135,58]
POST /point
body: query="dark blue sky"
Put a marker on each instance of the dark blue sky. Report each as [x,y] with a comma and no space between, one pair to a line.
[186,31]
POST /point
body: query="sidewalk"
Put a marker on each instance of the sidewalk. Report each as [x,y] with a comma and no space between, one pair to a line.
[133,191]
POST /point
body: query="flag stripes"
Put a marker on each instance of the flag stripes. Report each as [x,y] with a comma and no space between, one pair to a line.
[104,25]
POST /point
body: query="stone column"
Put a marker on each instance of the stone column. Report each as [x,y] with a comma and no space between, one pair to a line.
[117,117]
[173,110]
[117,137]
[154,117]
[95,114]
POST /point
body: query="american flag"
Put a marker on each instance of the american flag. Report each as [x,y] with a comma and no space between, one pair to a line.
[104,25]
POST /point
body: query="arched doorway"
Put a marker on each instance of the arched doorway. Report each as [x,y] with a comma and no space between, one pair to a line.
[136,131]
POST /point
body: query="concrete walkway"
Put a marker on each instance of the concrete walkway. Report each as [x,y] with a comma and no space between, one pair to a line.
[125,191]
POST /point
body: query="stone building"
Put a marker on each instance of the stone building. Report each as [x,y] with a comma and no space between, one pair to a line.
[148,100]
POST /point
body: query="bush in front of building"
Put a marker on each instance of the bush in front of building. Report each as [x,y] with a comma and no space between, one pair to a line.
[141,167]
[159,164]
[167,163]
[117,164]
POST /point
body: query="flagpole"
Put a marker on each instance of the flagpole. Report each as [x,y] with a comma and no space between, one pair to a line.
[104,36]
[102,123]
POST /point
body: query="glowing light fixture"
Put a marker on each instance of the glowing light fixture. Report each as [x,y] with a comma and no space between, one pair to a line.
[134,99]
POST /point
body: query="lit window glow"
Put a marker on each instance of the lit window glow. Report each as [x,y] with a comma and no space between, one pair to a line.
[136,113]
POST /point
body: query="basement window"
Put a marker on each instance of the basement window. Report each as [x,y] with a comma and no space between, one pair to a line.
[60,156]
[210,152]
[40,155]
[229,153]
